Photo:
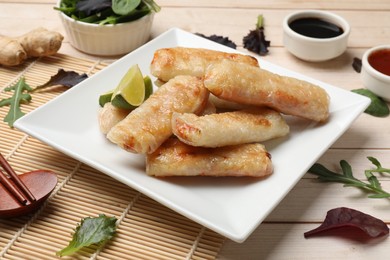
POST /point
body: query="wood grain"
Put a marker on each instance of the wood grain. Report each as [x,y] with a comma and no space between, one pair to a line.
[281,234]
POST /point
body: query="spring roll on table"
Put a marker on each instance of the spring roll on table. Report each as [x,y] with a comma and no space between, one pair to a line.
[229,128]
[149,125]
[170,62]
[174,158]
[249,85]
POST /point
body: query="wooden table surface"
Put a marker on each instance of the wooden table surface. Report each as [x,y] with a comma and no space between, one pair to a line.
[280,236]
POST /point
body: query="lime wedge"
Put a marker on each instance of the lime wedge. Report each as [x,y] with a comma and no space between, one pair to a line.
[131,87]
[148,87]
[105,98]
[119,102]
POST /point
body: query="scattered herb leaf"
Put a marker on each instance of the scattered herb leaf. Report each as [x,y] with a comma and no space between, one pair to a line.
[25,98]
[346,217]
[347,178]
[255,41]
[379,168]
[14,102]
[378,106]
[357,64]
[63,78]
[219,39]
[90,231]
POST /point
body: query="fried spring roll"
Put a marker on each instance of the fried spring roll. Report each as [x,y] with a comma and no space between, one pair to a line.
[254,86]
[109,116]
[209,108]
[226,105]
[149,125]
[170,62]
[174,158]
[229,128]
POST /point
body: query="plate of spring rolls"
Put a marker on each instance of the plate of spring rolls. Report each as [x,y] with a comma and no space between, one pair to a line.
[222,140]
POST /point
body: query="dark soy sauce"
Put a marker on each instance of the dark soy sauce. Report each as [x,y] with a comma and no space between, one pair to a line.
[315,28]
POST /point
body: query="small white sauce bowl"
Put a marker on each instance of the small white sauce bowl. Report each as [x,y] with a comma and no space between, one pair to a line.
[315,49]
[372,79]
[109,39]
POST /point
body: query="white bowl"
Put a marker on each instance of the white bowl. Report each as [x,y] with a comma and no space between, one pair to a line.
[315,49]
[109,39]
[377,82]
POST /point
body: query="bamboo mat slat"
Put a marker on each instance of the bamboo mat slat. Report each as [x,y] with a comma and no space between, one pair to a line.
[145,228]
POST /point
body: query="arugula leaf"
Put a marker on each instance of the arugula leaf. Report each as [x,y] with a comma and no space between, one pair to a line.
[90,231]
[378,106]
[379,168]
[25,98]
[14,102]
[349,180]
[63,78]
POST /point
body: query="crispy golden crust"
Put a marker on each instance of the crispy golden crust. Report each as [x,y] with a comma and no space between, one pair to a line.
[229,128]
[226,105]
[170,62]
[109,116]
[174,158]
[149,125]
[259,87]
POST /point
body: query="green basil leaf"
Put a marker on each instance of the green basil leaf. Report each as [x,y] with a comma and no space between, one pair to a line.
[90,231]
[378,106]
[124,7]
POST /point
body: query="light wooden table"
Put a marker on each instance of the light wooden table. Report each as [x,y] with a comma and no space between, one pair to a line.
[280,236]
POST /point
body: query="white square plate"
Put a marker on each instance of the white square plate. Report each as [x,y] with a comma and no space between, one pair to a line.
[233,207]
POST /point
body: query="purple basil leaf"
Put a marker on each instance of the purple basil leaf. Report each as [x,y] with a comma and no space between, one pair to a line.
[346,217]
[63,78]
[255,40]
[219,39]
[357,64]
[90,7]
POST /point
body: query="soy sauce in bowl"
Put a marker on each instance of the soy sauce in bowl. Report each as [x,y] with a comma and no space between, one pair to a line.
[315,35]
[316,28]
[380,60]
[375,73]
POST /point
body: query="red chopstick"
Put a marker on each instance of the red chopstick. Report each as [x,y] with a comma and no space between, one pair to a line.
[19,188]
[12,188]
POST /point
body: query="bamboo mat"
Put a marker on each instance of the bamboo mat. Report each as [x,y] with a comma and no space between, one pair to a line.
[146,229]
